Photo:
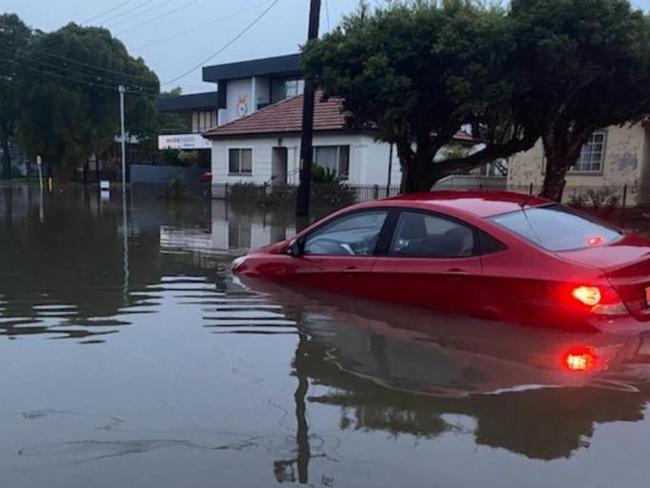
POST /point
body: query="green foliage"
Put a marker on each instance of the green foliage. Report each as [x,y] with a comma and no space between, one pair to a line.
[174,122]
[176,188]
[416,73]
[74,108]
[14,36]
[320,174]
[327,194]
[246,192]
[586,64]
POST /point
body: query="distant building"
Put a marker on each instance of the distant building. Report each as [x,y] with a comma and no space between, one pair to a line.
[264,147]
[615,162]
[241,89]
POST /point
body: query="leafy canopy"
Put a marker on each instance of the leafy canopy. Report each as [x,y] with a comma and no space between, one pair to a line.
[417,73]
[72,107]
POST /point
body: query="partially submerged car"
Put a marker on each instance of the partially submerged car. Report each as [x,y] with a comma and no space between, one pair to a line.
[498,255]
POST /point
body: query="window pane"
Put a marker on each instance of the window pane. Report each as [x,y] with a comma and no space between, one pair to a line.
[344,162]
[326,157]
[591,155]
[233,160]
[424,235]
[557,228]
[246,158]
[353,235]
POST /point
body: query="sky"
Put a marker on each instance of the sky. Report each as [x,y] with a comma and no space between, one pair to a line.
[174,36]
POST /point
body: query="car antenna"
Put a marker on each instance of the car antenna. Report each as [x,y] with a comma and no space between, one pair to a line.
[523,210]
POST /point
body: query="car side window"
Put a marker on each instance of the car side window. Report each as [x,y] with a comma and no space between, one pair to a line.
[351,235]
[418,234]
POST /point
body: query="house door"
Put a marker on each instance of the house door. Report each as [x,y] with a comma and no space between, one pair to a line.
[279,166]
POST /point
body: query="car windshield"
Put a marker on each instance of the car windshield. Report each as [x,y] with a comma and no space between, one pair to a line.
[557,228]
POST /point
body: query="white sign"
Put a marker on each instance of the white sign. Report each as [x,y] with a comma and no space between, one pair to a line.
[183,141]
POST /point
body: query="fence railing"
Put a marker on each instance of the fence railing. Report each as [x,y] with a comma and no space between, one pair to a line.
[340,194]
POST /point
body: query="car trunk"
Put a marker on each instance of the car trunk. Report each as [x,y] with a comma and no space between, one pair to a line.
[626,265]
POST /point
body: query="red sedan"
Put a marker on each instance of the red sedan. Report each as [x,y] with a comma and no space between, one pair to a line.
[490,254]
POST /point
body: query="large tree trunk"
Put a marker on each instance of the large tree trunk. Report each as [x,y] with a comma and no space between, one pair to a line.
[417,169]
[561,153]
[6,157]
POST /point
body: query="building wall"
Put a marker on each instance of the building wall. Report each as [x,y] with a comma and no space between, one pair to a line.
[239,100]
[368,159]
[624,163]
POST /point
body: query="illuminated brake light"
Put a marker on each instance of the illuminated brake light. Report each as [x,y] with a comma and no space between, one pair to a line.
[600,300]
[580,359]
[595,241]
[588,295]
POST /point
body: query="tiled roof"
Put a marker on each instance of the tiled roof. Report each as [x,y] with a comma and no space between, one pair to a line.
[286,117]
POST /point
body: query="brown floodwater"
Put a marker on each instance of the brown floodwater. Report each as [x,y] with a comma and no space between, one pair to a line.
[131,357]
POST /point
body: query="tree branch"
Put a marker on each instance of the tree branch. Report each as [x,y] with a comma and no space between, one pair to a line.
[486,155]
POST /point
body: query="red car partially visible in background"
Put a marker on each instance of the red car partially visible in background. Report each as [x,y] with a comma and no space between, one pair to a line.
[499,255]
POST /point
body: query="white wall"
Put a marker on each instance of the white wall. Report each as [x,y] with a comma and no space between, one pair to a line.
[236,91]
[368,158]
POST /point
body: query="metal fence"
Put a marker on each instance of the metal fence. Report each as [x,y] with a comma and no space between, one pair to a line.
[340,194]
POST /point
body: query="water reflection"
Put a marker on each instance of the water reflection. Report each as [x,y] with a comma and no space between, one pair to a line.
[259,384]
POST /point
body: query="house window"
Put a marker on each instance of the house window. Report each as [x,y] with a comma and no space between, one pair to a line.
[240,161]
[294,87]
[334,158]
[591,156]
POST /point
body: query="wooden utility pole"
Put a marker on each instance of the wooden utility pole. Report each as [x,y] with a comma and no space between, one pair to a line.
[306,149]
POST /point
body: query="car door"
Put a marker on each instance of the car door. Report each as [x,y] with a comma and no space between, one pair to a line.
[431,261]
[339,255]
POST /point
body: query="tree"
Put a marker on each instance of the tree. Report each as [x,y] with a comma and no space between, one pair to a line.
[174,122]
[72,77]
[416,73]
[14,35]
[586,65]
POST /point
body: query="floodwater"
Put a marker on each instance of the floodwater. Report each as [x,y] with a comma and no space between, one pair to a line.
[131,357]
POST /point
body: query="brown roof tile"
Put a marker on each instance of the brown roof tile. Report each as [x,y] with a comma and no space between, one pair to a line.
[286,117]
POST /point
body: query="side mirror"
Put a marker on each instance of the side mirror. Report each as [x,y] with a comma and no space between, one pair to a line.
[295,249]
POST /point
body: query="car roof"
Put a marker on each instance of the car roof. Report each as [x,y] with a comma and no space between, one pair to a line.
[476,202]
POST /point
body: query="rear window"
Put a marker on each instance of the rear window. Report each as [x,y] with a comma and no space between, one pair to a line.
[558,228]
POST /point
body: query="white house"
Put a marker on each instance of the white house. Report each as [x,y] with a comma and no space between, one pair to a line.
[264,147]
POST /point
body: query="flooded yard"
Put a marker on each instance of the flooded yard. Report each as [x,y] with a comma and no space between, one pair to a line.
[132,357]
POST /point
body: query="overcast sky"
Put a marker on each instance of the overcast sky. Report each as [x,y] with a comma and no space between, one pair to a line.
[174,35]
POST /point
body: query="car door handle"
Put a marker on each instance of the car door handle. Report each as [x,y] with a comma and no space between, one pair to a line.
[457,272]
[353,269]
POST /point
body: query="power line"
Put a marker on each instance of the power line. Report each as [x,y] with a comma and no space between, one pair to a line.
[127,11]
[81,63]
[199,27]
[76,80]
[73,71]
[153,19]
[139,14]
[225,46]
[106,12]
[327,14]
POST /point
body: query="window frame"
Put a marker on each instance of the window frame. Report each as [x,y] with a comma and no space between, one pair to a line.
[599,172]
[385,233]
[476,253]
[339,147]
[240,149]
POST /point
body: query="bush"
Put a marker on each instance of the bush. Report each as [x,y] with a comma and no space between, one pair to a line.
[176,188]
[330,194]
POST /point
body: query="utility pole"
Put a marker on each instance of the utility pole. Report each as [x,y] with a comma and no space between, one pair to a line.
[306,149]
[122,139]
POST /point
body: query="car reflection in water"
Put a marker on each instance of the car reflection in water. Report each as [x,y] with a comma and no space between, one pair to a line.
[401,370]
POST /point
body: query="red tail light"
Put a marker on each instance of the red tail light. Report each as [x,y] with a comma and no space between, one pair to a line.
[580,359]
[588,295]
[601,300]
